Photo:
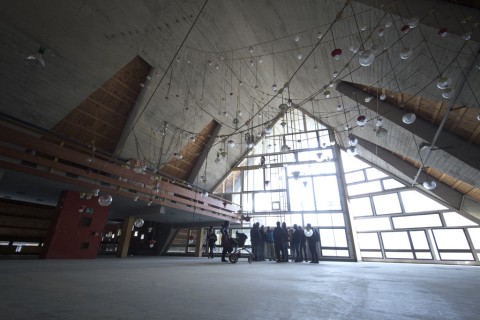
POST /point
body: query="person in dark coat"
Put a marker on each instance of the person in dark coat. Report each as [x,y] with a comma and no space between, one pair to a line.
[255,240]
[285,243]
[312,236]
[279,237]
[226,241]
[261,247]
[303,244]
[212,239]
[295,244]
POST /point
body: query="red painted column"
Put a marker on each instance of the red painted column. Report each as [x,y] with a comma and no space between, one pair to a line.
[76,230]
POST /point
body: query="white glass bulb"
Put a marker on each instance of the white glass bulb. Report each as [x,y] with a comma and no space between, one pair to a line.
[409,118]
[413,22]
[443,83]
[319,35]
[368,99]
[299,56]
[105,200]
[366,57]
[429,184]
[405,53]
[448,93]
[353,48]
[388,24]
[268,130]
[383,96]
[274,87]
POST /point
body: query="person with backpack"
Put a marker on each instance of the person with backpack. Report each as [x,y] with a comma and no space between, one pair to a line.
[212,239]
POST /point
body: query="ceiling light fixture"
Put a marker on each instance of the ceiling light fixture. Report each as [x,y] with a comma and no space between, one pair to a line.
[429,184]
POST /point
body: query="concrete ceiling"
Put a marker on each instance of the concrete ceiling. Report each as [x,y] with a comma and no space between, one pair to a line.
[219,59]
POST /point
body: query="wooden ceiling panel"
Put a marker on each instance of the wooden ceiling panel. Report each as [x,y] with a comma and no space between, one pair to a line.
[102,116]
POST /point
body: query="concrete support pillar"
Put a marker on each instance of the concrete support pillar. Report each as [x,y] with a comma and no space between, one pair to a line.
[124,241]
[199,244]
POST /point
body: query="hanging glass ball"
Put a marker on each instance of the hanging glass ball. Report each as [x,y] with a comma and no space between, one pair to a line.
[383,96]
[443,83]
[274,87]
[105,200]
[335,74]
[409,118]
[268,130]
[368,99]
[296,38]
[327,94]
[352,141]
[405,53]
[443,32]
[336,53]
[366,57]
[230,143]
[260,60]
[429,184]
[353,48]
[353,151]
[448,93]
[467,36]
[319,35]
[478,117]
[339,107]
[363,27]
[381,32]
[250,49]
[138,222]
[283,106]
[299,56]
[388,24]
[413,22]
[315,68]
[361,120]
[289,102]
[381,132]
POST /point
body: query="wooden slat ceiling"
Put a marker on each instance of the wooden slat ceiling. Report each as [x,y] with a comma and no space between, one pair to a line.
[101,117]
[459,122]
[456,184]
[190,152]
[462,120]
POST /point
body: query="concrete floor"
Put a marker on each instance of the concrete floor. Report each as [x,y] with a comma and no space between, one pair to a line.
[199,288]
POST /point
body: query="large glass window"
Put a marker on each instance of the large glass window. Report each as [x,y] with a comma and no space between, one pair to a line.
[327,195]
[414,201]
[387,203]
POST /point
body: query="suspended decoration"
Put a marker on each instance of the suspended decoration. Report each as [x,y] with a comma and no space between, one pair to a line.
[296,174]
[409,118]
[361,120]
[478,117]
[405,53]
[405,28]
[249,140]
[230,143]
[138,222]
[429,184]
[444,82]
[366,58]
[448,93]
[274,87]
[352,140]
[105,200]
[336,53]
[381,32]
[467,36]
[413,22]
[37,57]
[177,156]
[268,131]
[327,93]
[383,96]
[442,32]
[353,151]
[368,99]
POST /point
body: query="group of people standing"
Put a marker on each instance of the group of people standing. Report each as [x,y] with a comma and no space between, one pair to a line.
[272,243]
[275,242]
